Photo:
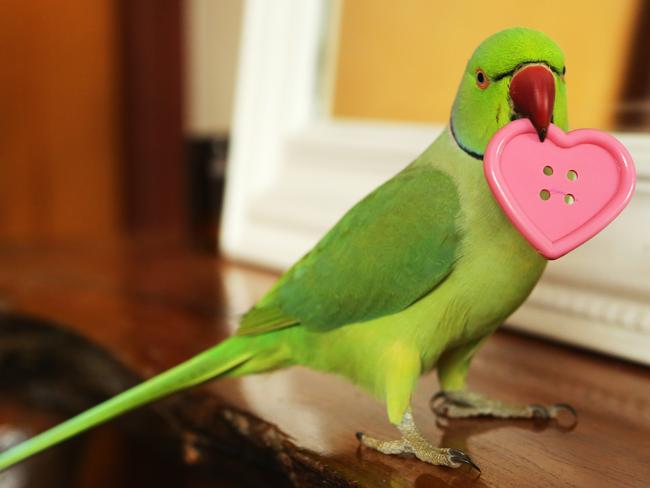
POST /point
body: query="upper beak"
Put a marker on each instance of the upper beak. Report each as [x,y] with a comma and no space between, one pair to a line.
[532,91]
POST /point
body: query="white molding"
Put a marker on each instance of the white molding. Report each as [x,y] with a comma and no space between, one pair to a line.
[604,321]
[274,98]
[292,174]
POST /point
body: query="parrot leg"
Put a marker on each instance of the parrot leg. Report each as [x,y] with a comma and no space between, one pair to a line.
[455,401]
[464,404]
[412,442]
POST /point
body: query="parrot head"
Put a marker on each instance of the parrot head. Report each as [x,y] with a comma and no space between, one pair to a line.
[514,73]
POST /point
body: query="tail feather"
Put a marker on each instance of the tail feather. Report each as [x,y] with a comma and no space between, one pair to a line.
[214,362]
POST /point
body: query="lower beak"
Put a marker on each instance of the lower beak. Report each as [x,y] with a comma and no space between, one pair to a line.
[532,91]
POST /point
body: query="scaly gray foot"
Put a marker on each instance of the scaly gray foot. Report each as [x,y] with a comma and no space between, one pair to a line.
[412,442]
[464,404]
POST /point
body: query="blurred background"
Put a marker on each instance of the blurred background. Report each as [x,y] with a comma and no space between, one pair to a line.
[112,111]
[116,114]
[116,118]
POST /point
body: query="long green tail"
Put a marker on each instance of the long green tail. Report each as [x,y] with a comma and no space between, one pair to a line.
[202,367]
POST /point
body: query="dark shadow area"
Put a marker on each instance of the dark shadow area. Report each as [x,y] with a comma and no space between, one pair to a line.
[48,374]
[635,89]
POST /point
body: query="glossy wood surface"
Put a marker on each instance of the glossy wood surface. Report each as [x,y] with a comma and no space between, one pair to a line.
[143,308]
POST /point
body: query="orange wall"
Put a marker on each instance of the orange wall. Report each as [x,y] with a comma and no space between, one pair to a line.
[59,137]
[403,60]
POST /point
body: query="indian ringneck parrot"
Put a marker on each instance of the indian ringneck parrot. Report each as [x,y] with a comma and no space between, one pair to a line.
[413,277]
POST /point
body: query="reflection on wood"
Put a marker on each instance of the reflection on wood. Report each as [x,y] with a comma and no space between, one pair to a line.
[150,308]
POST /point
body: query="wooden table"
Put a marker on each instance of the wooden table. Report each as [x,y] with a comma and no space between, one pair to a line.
[80,324]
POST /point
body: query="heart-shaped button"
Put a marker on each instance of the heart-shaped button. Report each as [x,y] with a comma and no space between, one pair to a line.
[561,192]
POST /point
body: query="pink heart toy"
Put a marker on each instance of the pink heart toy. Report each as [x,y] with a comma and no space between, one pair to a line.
[561,192]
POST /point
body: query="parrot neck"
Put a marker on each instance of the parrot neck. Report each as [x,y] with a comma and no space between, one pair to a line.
[468,151]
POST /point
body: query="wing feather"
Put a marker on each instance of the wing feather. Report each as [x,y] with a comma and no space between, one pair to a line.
[388,251]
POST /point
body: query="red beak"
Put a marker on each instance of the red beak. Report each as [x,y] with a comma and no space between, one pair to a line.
[532,91]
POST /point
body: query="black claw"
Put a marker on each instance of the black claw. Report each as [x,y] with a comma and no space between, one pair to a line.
[440,394]
[442,422]
[439,408]
[571,410]
[359,436]
[540,411]
[458,456]
[567,407]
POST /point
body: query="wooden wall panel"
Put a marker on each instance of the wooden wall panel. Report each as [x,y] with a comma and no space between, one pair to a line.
[155,174]
[59,116]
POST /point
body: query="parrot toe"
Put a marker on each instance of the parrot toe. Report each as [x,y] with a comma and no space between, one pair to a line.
[559,407]
[421,449]
[441,402]
[413,443]
[539,411]
[554,412]
[465,404]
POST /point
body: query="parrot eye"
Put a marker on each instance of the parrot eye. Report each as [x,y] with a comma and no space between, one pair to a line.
[563,72]
[482,79]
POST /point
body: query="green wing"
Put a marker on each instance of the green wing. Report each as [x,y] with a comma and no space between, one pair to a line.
[388,251]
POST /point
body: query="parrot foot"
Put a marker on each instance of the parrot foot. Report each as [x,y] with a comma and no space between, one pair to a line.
[464,404]
[413,443]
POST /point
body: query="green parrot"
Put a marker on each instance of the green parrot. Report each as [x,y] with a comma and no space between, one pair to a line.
[414,277]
